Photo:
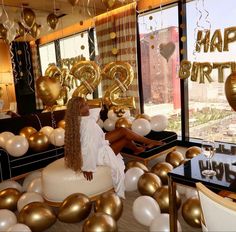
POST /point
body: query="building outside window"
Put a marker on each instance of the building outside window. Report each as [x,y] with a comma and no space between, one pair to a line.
[210,115]
[159,45]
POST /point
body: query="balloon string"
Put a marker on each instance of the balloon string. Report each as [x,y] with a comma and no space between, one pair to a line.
[13,63]
[39,121]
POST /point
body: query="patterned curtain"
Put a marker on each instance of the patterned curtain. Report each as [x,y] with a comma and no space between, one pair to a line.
[36,71]
[122,24]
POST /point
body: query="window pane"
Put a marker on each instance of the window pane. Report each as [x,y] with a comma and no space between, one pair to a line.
[210,115]
[74,46]
[159,43]
[47,56]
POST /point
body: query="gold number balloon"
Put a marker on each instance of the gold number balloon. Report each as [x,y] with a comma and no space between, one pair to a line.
[122,74]
[230,89]
[88,73]
[53,71]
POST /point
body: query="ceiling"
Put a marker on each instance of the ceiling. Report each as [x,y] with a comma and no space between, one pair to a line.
[68,15]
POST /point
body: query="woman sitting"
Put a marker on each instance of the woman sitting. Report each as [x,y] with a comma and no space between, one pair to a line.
[86,145]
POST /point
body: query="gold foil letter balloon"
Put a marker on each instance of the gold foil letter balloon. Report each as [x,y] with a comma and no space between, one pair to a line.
[48,89]
[122,75]
[53,71]
[109,203]
[230,90]
[88,73]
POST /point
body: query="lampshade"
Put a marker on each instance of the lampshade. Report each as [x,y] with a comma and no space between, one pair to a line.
[6,78]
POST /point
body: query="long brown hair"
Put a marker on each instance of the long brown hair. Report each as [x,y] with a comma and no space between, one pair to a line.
[72,148]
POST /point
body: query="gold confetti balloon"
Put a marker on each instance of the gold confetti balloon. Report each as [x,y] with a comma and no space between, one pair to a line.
[100,222]
[9,198]
[161,170]
[110,204]
[148,184]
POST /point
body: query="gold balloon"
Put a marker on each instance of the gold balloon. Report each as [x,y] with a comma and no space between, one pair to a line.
[230,90]
[109,203]
[161,170]
[52,20]
[73,2]
[48,89]
[53,71]
[100,222]
[38,216]
[108,3]
[61,124]
[137,164]
[122,75]
[162,198]
[88,73]
[34,31]
[145,116]
[28,16]
[191,212]
[148,184]
[27,131]
[174,158]
[192,152]
[9,198]
[21,30]
[74,208]
[123,122]
[38,142]
[3,31]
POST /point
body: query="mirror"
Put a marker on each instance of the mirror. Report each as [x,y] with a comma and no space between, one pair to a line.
[13,19]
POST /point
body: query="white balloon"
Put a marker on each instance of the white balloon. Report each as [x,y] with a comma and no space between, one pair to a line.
[109,124]
[112,115]
[35,186]
[10,184]
[7,219]
[131,118]
[161,223]
[141,126]
[100,122]
[4,137]
[127,113]
[145,209]
[132,177]
[17,145]
[30,177]
[19,228]
[159,122]
[47,130]
[27,198]
[57,137]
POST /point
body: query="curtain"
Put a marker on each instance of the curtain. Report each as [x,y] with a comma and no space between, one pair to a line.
[122,24]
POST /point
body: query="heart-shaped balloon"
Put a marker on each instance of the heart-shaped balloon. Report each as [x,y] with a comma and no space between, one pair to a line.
[230,90]
[48,89]
[167,49]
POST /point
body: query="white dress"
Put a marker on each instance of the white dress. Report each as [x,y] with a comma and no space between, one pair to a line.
[95,151]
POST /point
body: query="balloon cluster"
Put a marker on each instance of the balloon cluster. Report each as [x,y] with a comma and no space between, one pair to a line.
[36,215]
[142,124]
[29,137]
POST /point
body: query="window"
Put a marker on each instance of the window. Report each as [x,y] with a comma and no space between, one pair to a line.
[159,45]
[210,116]
[47,56]
[76,45]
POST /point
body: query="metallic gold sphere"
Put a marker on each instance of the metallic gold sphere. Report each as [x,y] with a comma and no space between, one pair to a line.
[61,124]
[9,198]
[174,158]
[191,212]
[38,216]
[137,164]
[230,90]
[109,203]
[192,152]
[161,170]
[100,222]
[27,131]
[145,116]
[74,208]
[123,122]
[148,184]
[162,198]
[38,142]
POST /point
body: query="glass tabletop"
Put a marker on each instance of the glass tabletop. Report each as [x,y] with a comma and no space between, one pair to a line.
[191,172]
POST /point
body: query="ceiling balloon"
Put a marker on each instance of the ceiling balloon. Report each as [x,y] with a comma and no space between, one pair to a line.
[52,20]
[28,17]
